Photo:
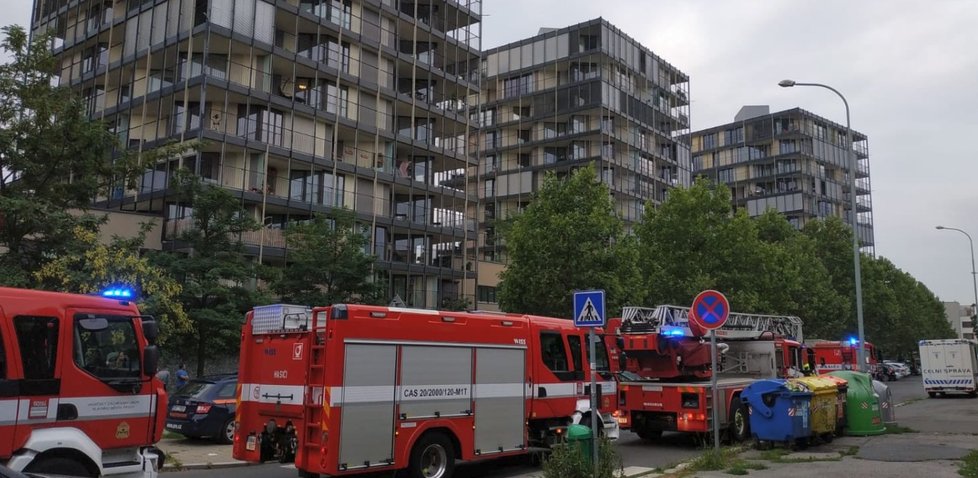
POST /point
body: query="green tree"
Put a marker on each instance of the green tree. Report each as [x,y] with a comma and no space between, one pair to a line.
[568,238]
[53,159]
[212,267]
[693,242]
[327,263]
[89,265]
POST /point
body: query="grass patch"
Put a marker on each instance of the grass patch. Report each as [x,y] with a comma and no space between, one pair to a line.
[755,465]
[969,465]
[711,460]
[852,451]
[737,469]
[898,430]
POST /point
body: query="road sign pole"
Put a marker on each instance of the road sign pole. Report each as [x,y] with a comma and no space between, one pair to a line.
[594,404]
[713,386]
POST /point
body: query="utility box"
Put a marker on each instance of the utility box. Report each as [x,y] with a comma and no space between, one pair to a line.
[949,366]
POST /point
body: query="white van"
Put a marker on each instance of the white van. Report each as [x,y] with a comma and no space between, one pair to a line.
[949,366]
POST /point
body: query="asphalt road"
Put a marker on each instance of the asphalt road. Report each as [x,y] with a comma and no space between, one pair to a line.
[673,448]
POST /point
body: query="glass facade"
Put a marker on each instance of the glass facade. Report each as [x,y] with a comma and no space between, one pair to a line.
[302,106]
[794,162]
[569,97]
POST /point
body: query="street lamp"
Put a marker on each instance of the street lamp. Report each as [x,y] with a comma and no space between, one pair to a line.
[974,278]
[861,351]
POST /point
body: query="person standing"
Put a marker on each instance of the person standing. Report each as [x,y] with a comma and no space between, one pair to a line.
[182,376]
[164,376]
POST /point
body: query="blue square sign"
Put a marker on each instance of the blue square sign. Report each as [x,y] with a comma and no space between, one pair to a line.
[589,308]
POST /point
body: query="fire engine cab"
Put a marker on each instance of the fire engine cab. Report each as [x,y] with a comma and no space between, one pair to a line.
[664,383]
[352,389]
[78,395]
[832,355]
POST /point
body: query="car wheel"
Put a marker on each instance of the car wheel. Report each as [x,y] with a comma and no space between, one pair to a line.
[226,434]
[932,394]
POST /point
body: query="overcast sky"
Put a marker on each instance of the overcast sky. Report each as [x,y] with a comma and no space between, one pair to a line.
[908,68]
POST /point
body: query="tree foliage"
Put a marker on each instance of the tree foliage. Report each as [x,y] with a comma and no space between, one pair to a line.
[327,263]
[90,265]
[53,159]
[567,239]
[211,265]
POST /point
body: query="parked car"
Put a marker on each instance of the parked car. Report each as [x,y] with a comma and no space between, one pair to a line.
[902,369]
[204,408]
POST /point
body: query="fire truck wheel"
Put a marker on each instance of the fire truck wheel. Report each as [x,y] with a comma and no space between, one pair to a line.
[740,425]
[226,435]
[57,465]
[433,456]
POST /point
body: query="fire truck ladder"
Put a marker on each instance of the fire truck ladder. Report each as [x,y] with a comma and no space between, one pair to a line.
[668,318]
[313,427]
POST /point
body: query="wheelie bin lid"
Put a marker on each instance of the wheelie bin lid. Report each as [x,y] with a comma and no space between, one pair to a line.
[816,384]
[578,432]
[767,386]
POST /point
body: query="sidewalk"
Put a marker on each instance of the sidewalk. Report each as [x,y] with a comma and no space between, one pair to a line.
[190,454]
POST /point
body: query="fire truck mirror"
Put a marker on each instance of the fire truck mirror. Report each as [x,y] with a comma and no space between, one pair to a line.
[93,324]
[151,360]
[151,330]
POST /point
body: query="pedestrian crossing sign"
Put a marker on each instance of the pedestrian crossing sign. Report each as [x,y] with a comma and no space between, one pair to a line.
[589,308]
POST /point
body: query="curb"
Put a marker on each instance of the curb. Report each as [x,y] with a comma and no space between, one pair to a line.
[205,466]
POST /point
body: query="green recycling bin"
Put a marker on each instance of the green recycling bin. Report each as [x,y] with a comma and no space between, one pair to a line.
[579,440]
[863,415]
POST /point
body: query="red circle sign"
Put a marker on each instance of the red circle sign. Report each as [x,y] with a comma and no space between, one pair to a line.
[710,310]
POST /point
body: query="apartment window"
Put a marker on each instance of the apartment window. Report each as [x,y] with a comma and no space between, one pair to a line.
[584,71]
[325,49]
[517,86]
[186,118]
[490,189]
[577,124]
[336,11]
[554,155]
[95,57]
[492,139]
[524,160]
[725,175]
[98,15]
[190,66]
[588,42]
[787,146]
[487,294]
[578,150]
[337,99]
[490,211]
[487,117]
[733,136]
[710,141]
[521,112]
[553,130]
[125,93]
[258,123]
[159,79]
[94,99]
[523,136]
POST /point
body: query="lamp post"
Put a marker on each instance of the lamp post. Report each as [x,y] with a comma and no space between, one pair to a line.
[861,351]
[974,278]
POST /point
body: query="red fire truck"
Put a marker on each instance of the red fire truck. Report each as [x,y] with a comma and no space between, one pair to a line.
[664,383]
[351,389]
[78,395]
[832,355]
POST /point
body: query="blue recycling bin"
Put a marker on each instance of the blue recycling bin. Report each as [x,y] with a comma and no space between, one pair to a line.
[777,413]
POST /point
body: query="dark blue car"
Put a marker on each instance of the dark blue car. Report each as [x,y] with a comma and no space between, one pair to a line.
[204,408]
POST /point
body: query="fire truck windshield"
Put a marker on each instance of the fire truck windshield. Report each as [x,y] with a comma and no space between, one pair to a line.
[105,346]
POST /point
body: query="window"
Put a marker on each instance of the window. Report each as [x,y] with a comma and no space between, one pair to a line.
[259,123]
[38,340]
[94,99]
[194,65]
[524,160]
[99,14]
[159,79]
[553,351]
[336,11]
[95,57]
[583,71]
[227,391]
[487,294]
[725,175]
[733,136]
[186,118]
[588,42]
[710,141]
[325,49]
[601,362]
[125,93]
[106,346]
[574,342]
[516,86]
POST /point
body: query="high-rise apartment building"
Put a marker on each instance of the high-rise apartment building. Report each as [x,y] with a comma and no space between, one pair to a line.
[302,106]
[792,161]
[567,97]
[961,318]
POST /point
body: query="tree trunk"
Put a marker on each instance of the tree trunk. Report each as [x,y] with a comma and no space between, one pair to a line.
[201,348]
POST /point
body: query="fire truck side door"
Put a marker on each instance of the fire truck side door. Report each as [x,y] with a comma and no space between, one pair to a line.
[38,340]
[9,391]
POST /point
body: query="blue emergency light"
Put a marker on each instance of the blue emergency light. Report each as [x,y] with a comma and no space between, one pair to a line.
[673,331]
[118,293]
[853,341]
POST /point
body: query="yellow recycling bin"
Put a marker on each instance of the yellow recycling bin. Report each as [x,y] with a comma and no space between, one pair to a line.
[823,405]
